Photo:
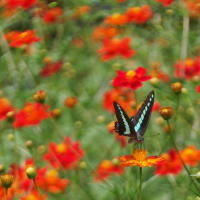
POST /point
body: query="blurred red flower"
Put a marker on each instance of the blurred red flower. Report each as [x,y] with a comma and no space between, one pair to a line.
[190,155]
[198,88]
[139,158]
[139,15]
[116,19]
[124,96]
[24,4]
[81,11]
[17,38]
[52,15]
[193,7]
[5,107]
[165,2]
[104,32]
[170,164]
[116,47]
[33,195]
[131,79]
[187,68]
[156,106]
[65,155]
[48,180]
[107,168]
[51,68]
[31,114]
[121,1]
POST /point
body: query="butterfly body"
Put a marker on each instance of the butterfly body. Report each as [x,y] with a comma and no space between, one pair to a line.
[135,126]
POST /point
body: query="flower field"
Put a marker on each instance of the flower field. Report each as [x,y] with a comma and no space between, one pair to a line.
[99,100]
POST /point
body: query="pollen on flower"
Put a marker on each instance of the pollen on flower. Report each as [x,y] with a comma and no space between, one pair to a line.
[139,158]
[130,74]
[61,148]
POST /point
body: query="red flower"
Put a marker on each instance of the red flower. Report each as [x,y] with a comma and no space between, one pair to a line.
[107,168]
[193,7]
[190,155]
[64,155]
[116,47]
[116,19]
[49,181]
[17,38]
[131,79]
[187,68]
[165,2]
[198,88]
[139,15]
[170,164]
[31,114]
[124,96]
[52,15]
[24,4]
[51,68]
[156,106]
[5,107]
[33,195]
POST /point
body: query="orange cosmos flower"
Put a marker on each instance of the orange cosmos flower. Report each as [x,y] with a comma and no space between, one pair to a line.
[190,155]
[139,158]
[49,181]
[5,107]
[116,47]
[31,114]
[70,102]
[170,164]
[104,32]
[165,2]
[52,15]
[139,15]
[188,68]
[107,168]
[65,155]
[124,96]
[33,195]
[116,19]
[193,7]
[81,11]
[17,38]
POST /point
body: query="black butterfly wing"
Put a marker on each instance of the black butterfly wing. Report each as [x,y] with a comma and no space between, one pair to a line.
[123,125]
[141,119]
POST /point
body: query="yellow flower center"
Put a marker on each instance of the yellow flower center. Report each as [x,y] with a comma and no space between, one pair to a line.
[130,74]
[115,15]
[136,10]
[61,148]
[106,164]
[140,155]
[189,62]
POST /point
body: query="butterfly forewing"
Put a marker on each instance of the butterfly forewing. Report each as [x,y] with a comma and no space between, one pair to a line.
[141,119]
[123,124]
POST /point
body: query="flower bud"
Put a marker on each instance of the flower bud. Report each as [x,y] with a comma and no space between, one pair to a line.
[2,168]
[10,116]
[41,149]
[166,112]
[70,102]
[159,120]
[6,180]
[31,173]
[154,81]
[169,11]
[176,87]
[29,143]
[83,165]
[78,124]
[10,137]
[100,119]
[40,96]
[115,161]
[47,60]
[55,113]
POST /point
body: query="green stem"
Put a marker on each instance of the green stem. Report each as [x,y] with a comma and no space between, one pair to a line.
[37,188]
[140,186]
[181,159]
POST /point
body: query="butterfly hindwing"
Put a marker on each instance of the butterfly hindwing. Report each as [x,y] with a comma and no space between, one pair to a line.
[123,124]
[141,119]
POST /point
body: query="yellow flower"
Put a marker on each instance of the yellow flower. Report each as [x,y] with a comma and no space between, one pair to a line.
[139,158]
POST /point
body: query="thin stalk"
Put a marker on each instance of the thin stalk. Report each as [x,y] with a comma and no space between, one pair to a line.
[182,161]
[37,188]
[140,186]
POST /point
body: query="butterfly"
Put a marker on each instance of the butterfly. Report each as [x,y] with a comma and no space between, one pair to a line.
[135,126]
